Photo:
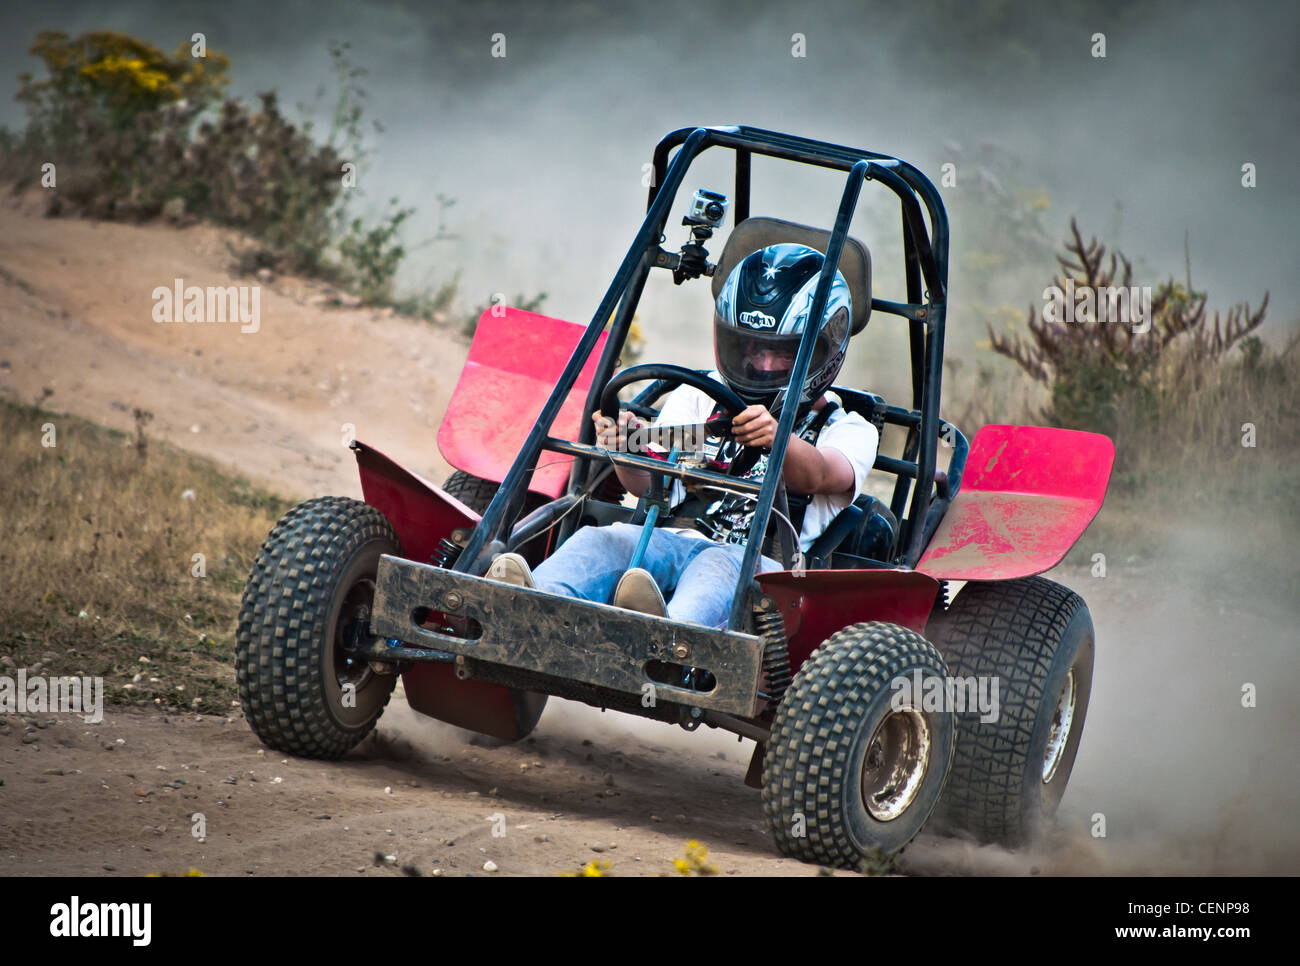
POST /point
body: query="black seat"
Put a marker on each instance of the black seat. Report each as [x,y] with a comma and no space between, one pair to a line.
[865,533]
[866,529]
[868,405]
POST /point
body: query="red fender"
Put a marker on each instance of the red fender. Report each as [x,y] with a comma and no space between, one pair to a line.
[514,363]
[817,603]
[422,514]
[1027,495]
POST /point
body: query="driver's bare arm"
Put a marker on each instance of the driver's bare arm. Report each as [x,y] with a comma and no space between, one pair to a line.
[807,468]
[614,436]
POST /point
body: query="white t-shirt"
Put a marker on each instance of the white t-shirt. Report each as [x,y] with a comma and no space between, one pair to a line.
[846,432]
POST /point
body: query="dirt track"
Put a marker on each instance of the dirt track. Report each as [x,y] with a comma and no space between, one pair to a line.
[418,791]
[271,403]
[76,318]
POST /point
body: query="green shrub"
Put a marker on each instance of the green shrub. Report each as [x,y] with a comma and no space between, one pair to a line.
[108,80]
[374,255]
[1131,382]
[136,133]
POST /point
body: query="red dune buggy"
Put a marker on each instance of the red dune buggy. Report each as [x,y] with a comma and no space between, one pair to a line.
[848,669]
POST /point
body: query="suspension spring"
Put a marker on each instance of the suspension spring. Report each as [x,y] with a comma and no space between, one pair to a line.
[446,553]
[776,653]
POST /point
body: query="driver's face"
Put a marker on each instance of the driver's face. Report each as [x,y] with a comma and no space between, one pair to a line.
[766,359]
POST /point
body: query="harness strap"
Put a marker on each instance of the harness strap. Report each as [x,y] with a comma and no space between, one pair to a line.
[693,511]
[799,501]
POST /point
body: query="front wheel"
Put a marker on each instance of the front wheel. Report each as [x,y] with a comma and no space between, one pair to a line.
[855,763]
[311,588]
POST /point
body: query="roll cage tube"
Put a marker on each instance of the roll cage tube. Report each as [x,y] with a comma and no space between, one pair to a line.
[785,424]
[508,501]
[926,260]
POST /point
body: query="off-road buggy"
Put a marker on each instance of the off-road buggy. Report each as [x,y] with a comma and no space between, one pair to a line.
[847,669]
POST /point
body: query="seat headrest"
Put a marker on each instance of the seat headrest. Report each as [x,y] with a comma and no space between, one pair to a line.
[755,233]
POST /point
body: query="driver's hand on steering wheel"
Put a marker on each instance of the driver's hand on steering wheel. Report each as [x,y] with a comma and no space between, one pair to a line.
[754,426]
[612,436]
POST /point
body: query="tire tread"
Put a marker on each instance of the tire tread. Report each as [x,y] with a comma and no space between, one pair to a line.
[1008,629]
[807,755]
[279,643]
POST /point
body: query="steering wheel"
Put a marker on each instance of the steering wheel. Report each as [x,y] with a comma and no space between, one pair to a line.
[719,392]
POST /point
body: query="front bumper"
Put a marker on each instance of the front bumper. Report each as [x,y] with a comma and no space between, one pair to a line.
[576,640]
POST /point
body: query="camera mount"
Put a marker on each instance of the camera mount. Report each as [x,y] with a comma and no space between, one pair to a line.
[708,208]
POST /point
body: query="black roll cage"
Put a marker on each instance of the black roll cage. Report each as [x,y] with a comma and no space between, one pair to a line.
[926,272]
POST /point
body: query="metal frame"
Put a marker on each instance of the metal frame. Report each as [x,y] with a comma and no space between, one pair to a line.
[594,645]
[926,265]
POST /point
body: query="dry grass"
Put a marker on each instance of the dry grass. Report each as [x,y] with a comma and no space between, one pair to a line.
[1197,429]
[1187,498]
[96,571]
[1189,495]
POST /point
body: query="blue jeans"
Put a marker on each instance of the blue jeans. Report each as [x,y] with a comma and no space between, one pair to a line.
[696,576]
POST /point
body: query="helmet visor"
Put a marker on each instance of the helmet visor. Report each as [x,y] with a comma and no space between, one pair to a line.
[759,362]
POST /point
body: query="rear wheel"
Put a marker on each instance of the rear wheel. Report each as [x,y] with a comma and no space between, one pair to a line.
[311,588]
[476,492]
[1035,639]
[855,765]
[473,491]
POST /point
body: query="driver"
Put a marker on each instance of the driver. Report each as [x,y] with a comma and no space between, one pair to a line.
[693,562]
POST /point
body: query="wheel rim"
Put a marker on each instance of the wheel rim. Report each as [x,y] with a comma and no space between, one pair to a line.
[1062,719]
[895,763]
[356,606]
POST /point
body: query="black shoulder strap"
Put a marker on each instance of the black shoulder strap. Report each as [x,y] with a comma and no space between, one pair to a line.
[798,502]
[694,506]
[819,422]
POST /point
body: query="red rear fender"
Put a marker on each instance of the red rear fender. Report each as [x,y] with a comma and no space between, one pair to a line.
[1028,494]
[514,362]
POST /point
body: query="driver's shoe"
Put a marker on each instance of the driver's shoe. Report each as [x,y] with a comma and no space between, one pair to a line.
[638,591]
[510,568]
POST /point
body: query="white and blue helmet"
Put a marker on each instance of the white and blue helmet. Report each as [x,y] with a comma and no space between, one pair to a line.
[764,305]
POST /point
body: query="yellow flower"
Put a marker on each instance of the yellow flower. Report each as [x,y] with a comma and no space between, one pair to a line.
[133,70]
[696,861]
[594,869]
